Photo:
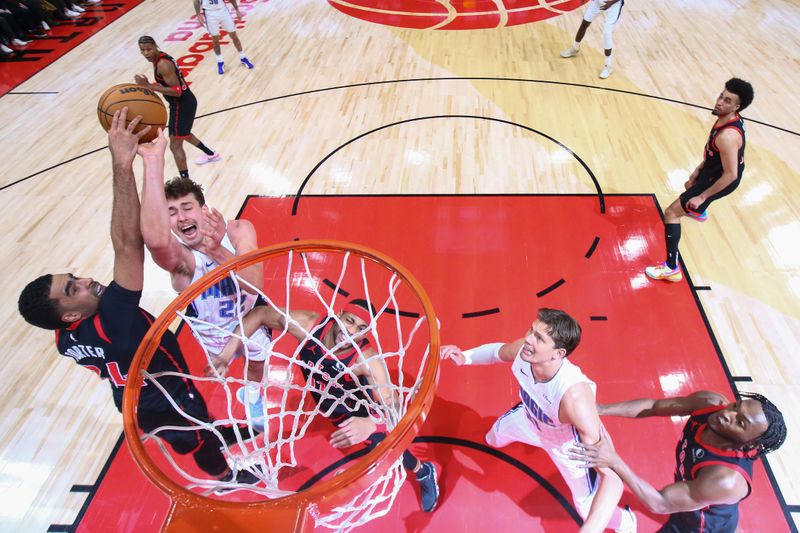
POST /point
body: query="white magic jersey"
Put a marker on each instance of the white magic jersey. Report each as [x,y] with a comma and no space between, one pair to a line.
[220,305]
[542,400]
[212,5]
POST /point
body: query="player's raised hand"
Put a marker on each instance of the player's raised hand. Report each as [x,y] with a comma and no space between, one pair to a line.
[122,142]
[155,148]
[213,228]
[454,353]
[352,431]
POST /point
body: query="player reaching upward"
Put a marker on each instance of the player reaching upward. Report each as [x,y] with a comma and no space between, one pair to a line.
[189,239]
[325,359]
[557,411]
[715,456]
[182,104]
[101,327]
[718,175]
[214,15]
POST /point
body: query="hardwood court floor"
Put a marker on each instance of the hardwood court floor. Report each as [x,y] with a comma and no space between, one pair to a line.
[323,78]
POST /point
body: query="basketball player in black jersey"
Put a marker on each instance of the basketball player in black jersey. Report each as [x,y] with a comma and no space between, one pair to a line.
[714,457]
[325,370]
[101,327]
[716,176]
[182,104]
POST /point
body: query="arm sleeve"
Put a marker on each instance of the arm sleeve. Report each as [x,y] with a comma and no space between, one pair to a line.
[486,354]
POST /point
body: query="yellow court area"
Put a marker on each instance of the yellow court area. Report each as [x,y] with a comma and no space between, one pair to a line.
[445,108]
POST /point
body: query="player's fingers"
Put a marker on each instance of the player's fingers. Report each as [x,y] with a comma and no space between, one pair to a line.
[115,120]
[142,132]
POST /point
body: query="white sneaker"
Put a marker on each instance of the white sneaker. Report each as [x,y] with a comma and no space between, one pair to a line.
[570,52]
[92,1]
[629,525]
[45,26]
[5,49]
[77,8]
[19,42]
[71,14]
[606,72]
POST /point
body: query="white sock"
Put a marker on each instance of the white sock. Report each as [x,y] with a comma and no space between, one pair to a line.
[576,45]
[253,392]
[241,55]
[608,61]
[219,58]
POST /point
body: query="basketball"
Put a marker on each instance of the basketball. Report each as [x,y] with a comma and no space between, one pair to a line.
[139,101]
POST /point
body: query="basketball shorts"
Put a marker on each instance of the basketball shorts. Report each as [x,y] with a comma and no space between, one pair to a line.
[181,115]
[700,186]
[219,18]
[612,14]
[516,426]
[257,345]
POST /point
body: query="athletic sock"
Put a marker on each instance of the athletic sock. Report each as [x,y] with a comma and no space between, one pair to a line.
[672,235]
[608,61]
[253,392]
[183,173]
[241,55]
[219,58]
[206,150]
[576,45]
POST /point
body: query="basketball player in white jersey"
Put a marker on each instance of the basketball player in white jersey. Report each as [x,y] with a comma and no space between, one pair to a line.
[557,411]
[214,15]
[612,10]
[188,239]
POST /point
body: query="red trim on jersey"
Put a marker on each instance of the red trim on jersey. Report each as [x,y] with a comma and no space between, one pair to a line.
[719,451]
[98,326]
[726,127]
[74,325]
[58,334]
[702,521]
[707,410]
[737,468]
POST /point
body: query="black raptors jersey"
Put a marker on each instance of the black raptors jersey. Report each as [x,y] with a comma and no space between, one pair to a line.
[692,454]
[324,367]
[160,80]
[107,341]
[712,162]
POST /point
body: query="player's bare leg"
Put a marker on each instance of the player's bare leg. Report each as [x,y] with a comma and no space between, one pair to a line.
[209,155]
[238,45]
[576,46]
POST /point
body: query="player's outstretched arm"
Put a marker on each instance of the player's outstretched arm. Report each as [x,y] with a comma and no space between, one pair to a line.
[125,233]
[713,484]
[165,249]
[646,407]
[262,316]
[485,354]
[579,409]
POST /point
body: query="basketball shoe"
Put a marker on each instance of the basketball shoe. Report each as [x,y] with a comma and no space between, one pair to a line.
[246,62]
[428,485]
[220,67]
[254,410]
[664,272]
[700,217]
[203,159]
[606,72]
[570,52]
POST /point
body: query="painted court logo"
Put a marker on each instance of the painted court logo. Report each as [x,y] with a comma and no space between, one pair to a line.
[455,14]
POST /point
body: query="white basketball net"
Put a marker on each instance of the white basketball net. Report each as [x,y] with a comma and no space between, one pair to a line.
[289,408]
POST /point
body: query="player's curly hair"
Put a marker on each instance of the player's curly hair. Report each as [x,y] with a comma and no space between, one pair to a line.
[36,306]
[562,328]
[179,187]
[775,435]
[742,89]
